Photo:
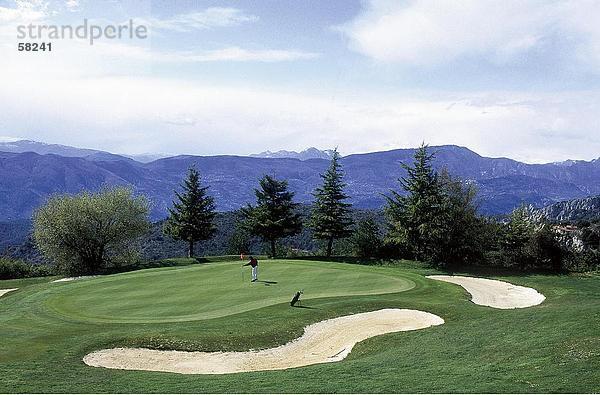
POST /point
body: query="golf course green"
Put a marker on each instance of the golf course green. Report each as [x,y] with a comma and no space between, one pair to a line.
[213,290]
[47,328]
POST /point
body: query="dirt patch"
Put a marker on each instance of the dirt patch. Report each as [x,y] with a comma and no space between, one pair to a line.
[5,291]
[326,341]
[494,293]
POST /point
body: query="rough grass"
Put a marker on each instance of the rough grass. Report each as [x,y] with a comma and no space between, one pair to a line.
[554,347]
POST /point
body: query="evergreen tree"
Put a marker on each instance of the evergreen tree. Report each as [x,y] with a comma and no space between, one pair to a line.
[464,236]
[519,232]
[415,220]
[192,216]
[367,238]
[274,215]
[330,217]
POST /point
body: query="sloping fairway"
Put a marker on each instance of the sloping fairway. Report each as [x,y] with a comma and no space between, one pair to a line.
[212,290]
[47,328]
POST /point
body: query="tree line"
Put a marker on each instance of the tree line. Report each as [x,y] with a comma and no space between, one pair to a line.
[431,217]
[274,216]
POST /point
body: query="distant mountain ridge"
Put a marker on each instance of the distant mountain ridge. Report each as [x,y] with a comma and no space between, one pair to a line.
[571,210]
[309,153]
[22,146]
[28,178]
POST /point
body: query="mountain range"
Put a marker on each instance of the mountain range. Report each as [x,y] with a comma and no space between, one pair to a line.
[21,146]
[570,210]
[28,178]
[309,153]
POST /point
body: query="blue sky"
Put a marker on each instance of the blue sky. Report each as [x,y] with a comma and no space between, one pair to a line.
[504,78]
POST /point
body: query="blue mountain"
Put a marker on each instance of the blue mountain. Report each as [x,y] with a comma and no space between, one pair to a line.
[28,178]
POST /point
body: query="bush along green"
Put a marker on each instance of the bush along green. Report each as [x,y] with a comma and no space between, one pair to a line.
[367,240]
[13,268]
[88,232]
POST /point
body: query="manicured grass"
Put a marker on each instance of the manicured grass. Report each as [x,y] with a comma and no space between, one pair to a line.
[46,329]
[202,292]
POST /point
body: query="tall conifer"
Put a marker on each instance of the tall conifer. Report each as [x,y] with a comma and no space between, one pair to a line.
[416,220]
[274,215]
[330,217]
[192,217]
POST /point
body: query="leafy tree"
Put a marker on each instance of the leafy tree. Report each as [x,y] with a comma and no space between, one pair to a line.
[590,235]
[275,214]
[192,216]
[546,249]
[367,239]
[415,220]
[526,245]
[330,217]
[85,233]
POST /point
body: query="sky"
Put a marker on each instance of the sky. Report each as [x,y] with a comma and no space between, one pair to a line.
[510,78]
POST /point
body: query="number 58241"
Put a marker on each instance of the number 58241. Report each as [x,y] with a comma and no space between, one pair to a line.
[35,47]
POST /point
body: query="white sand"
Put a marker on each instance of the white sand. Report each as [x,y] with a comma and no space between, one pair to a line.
[62,280]
[5,291]
[326,341]
[494,293]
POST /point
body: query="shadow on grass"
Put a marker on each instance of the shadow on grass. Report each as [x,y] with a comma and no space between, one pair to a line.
[304,307]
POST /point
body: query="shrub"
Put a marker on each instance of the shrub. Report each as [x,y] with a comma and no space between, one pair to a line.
[13,268]
[367,240]
[86,233]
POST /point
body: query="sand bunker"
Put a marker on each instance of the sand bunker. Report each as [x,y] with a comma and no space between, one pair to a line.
[62,280]
[494,293]
[5,291]
[326,341]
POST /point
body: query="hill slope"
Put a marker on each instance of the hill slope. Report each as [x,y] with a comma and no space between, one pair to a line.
[27,179]
[571,210]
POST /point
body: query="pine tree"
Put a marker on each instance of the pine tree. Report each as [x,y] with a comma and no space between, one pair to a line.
[330,217]
[414,219]
[274,215]
[464,234]
[192,216]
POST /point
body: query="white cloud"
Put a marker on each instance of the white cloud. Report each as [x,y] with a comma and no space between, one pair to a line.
[71,96]
[209,18]
[237,54]
[23,12]
[149,115]
[72,5]
[76,57]
[107,52]
[232,54]
[9,139]
[426,32]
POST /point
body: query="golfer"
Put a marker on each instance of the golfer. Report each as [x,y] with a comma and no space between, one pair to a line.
[254,263]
